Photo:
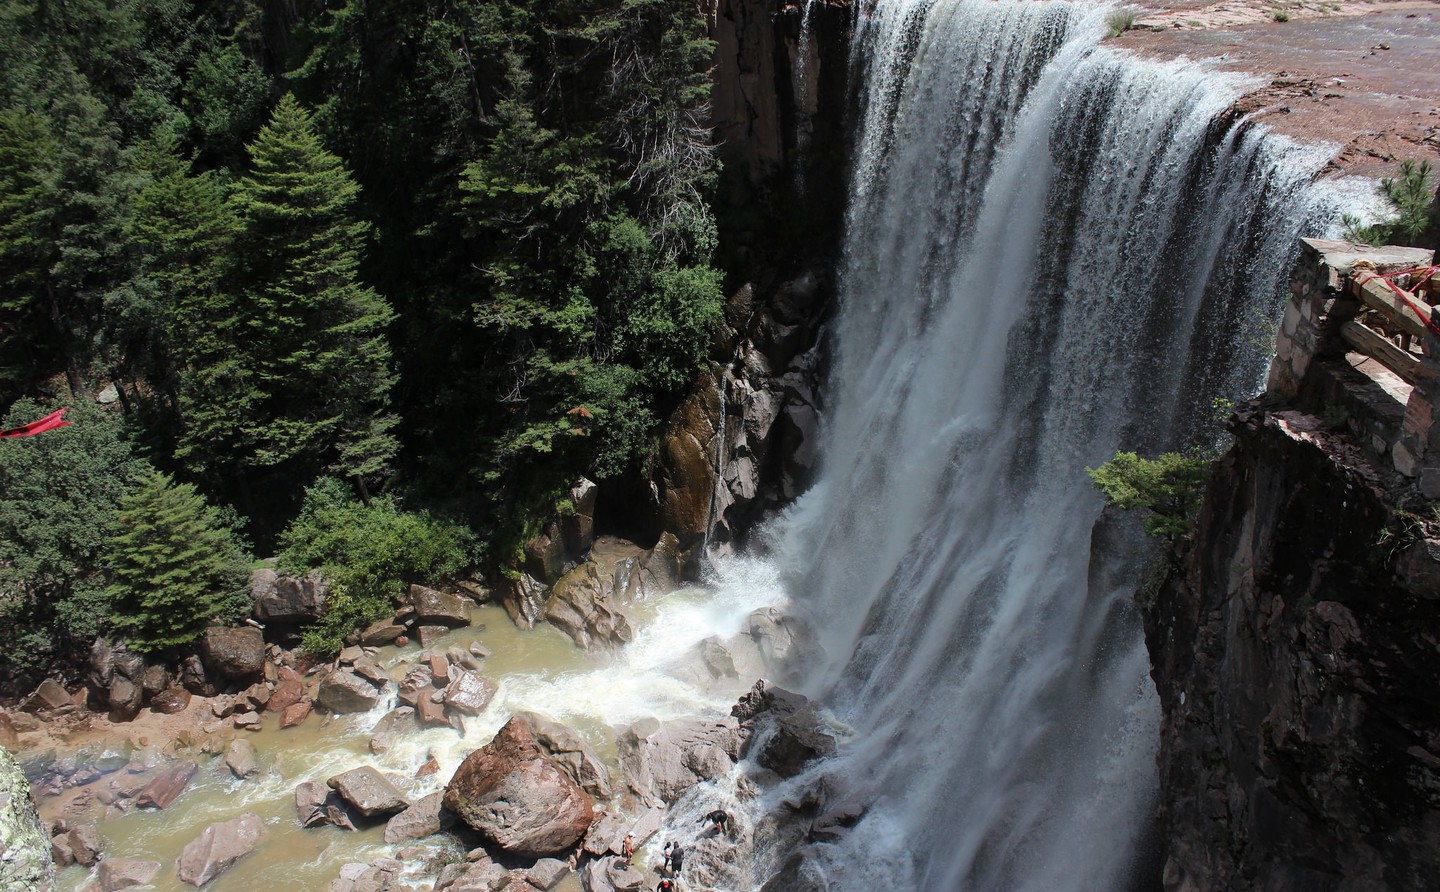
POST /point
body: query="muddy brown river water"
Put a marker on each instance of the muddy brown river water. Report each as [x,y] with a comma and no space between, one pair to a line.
[539,670]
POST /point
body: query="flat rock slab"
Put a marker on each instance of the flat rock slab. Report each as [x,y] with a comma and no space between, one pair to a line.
[368,791]
[434,607]
[123,873]
[168,786]
[468,692]
[425,818]
[217,848]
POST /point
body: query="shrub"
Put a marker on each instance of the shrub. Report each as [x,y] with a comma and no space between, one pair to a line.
[368,553]
[1169,487]
[1411,197]
[1121,20]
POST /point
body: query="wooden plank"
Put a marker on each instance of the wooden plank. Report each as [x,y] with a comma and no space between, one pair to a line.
[1375,293]
[1386,353]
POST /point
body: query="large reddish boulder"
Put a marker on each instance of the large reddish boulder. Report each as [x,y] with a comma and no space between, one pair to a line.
[517,798]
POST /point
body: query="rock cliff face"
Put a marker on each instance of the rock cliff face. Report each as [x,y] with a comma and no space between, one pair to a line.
[25,864]
[742,442]
[1297,656]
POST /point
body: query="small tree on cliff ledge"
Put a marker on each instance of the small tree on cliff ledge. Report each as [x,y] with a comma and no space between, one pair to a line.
[1170,487]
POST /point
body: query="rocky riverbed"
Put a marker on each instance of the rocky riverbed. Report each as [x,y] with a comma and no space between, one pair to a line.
[544,755]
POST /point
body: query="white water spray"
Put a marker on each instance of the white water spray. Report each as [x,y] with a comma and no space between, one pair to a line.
[1054,251]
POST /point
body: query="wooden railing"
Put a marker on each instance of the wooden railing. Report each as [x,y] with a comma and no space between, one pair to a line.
[1401,316]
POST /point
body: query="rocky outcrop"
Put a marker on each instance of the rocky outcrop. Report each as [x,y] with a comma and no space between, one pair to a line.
[662,761]
[217,848]
[568,751]
[26,865]
[1297,659]
[516,798]
[287,600]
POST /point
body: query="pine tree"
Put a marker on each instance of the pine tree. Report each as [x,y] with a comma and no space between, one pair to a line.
[175,567]
[307,378]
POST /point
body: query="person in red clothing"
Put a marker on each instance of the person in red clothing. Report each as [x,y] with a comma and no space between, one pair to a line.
[666,886]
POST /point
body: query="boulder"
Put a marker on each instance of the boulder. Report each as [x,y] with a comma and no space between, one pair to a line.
[286,600]
[430,635]
[194,678]
[524,600]
[48,696]
[381,632]
[217,848]
[124,698]
[547,873]
[289,689]
[545,554]
[611,875]
[380,875]
[233,654]
[85,844]
[468,692]
[434,607]
[170,701]
[799,738]
[783,640]
[425,818]
[295,714]
[577,529]
[381,735]
[123,873]
[240,759]
[368,791]
[568,751]
[586,602]
[9,737]
[257,695]
[459,656]
[662,761]
[416,685]
[167,786]
[153,680]
[310,803]
[515,797]
[342,691]
[477,876]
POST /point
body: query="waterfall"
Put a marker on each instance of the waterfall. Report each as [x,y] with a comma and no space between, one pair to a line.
[1054,250]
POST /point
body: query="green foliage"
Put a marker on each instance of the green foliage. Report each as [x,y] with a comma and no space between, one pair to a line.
[1411,197]
[1121,20]
[175,566]
[368,553]
[1169,487]
[59,492]
[301,368]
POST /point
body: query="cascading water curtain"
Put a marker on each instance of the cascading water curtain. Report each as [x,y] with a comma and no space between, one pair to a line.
[1054,251]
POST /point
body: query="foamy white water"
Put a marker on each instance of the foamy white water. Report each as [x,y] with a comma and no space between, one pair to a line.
[1053,251]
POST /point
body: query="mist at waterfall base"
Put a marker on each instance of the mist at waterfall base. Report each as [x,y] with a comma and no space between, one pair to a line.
[1054,250]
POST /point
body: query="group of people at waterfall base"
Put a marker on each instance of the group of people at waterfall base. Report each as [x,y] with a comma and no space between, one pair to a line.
[673,855]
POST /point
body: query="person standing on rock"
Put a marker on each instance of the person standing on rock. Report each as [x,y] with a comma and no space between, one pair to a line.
[676,858]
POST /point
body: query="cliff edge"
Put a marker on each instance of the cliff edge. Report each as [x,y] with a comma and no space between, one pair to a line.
[1297,656]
